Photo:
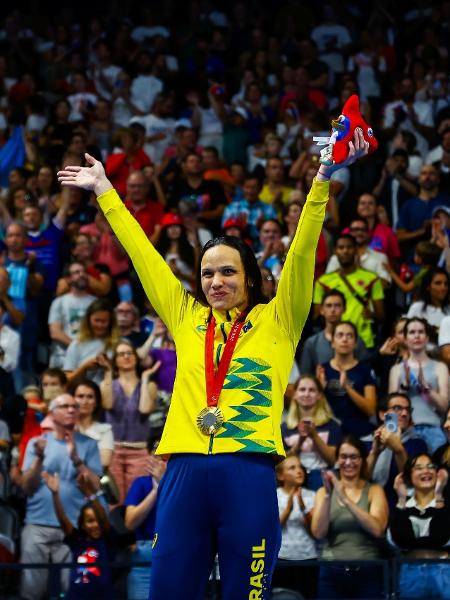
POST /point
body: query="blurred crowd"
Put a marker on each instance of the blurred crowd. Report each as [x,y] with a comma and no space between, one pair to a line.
[204,114]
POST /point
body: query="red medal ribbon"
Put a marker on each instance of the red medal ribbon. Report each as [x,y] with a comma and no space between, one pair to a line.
[214,380]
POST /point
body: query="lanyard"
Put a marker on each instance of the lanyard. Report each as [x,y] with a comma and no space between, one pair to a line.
[215,379]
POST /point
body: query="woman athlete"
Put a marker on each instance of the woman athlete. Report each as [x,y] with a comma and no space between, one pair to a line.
[223,429]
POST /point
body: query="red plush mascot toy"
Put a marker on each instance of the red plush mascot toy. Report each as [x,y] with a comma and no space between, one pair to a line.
[336,150]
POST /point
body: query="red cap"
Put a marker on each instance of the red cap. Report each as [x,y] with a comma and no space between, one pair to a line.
[171,219]
[233,222]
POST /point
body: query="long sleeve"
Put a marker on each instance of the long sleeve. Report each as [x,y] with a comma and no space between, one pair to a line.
[163,289]
[293,299]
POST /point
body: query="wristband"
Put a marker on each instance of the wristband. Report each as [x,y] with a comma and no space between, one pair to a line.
[323,175]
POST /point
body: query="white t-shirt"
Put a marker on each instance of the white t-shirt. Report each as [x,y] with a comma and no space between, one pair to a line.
[10,344]
[323,35]
[444,332]
[370,260]
[141,33]
[143,91]
[110,74]
[424,114]
[102,433]
[433,314]
[153,124]
[296,543]
[77,101]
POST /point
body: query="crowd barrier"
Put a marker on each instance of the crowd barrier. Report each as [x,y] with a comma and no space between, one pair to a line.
[10,572]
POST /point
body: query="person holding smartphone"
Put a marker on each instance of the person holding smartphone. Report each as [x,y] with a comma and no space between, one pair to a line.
[392,443]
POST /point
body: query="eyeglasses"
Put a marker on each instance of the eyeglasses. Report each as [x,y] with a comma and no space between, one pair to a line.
[125,353]
[349,457]
[430,467]
[397,408]
[67,406]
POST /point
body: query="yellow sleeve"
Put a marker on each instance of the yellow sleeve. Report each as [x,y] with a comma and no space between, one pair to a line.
[163,289]
[293,299]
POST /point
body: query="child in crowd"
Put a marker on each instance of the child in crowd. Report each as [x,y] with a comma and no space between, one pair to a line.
[91,542]
[295,504]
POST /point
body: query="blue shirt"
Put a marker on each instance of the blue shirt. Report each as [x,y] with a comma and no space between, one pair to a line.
[40,509]
[254,212]
[415,211]
[46,244]
[140,489]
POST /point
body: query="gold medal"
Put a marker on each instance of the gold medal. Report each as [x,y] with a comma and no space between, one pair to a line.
[210,420]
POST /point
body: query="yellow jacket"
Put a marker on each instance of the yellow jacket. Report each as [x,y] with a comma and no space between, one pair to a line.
[253,391]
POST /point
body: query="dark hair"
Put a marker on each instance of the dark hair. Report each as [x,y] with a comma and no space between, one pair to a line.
[330,293]
[418,320]
[53,372]
[425,294]
[383,403]
[74,385]
[253,279]
[126,342]
[346,236]
[354,441]
[99,513]
[185,249]
[409,465]
[430,253]
[350,324]
[211,149]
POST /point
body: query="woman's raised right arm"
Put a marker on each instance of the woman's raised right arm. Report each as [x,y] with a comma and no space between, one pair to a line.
[163,289]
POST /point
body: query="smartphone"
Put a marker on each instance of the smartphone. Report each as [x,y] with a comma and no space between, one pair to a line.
[391,422]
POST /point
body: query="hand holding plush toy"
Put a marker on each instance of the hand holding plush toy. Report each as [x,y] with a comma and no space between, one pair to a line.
[336,150]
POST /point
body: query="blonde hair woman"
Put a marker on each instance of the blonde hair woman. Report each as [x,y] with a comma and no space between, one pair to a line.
[310,430]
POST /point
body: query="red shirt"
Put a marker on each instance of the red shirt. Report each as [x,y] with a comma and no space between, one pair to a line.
[118,167]
[148,216]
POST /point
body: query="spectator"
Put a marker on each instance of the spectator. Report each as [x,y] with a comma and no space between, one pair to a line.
[275,191]
[434,303]
[416,212]
[250,209]
[392,444]
[444,340]
[71,455]
[191,194]
[87,354]
[91,541]
[98,276]
[420,527]
[272,251]
[362,290]
[89,398]
[366,258]
[145,87]
[159,126]
[127,317]
[140,512]
[425,381]
[310,430]
[128,157]
[66,313]
[426,257]
[145,210]
[349,384]
[392,351]
[177,251]
[295,504]
[9,342]
[395,186]
[13,316]
[128,400]
[317,348]
[351,515]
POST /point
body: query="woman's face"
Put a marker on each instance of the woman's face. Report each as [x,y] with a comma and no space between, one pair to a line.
[416,336]
[438,288]
[62,111]
[399,332]
[44,178]
[223,278]
[306,393]
[99,323]
[423,474]
[344,340]
[367,206]
[19,200]
[85,396]
[125,358]
[173,232]
[350,461]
